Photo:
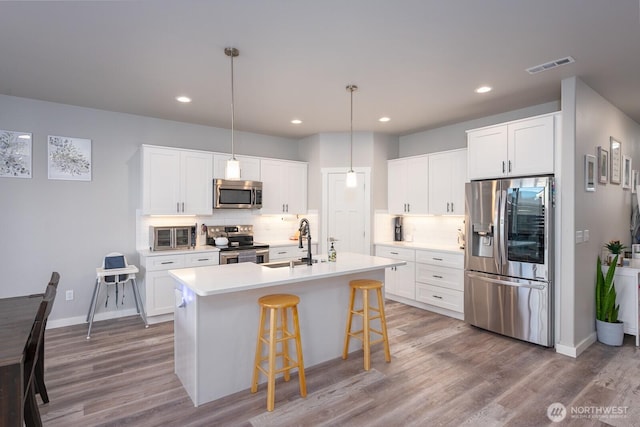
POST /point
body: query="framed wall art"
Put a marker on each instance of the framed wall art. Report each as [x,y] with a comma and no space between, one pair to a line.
[603,165]
[589,172]
[626,172]
[616,158]
[15,154]
[69,158]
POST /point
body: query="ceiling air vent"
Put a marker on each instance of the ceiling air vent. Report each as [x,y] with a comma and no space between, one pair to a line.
[549,65]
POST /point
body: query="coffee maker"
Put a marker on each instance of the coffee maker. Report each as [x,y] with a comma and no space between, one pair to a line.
[397,235]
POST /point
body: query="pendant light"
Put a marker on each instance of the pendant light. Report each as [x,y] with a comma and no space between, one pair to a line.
[352,180]
[232,170]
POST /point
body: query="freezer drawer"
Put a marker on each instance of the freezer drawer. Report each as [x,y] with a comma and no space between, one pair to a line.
[517,308]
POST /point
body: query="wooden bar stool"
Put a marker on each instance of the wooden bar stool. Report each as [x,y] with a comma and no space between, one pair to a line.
[277,305]
[364,334]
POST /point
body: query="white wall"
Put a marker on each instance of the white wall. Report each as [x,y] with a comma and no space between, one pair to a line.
[69,226]
[454,136]
[605,212]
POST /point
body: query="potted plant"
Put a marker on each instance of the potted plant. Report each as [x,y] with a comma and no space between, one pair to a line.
[608,328]
[615,248]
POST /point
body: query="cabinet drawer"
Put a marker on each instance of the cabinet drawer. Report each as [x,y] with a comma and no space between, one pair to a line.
[164,262]
[444,259]
[403,254]
[441,297]
[286,252]
[446,277]
[201,259]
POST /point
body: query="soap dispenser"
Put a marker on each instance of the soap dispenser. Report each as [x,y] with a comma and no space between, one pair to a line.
[332,253]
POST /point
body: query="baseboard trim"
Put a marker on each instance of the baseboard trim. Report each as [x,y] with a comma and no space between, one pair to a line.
[78,320]
[576,351]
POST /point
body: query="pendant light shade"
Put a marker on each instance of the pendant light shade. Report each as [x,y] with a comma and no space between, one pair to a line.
[232,169]
[352,179]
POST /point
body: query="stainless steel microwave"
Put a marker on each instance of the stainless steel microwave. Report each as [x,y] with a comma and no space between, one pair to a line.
[165,238]
[237,194]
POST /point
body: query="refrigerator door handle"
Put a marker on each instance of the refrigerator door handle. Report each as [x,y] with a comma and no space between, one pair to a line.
[503,229]
[497,232]
[505,282]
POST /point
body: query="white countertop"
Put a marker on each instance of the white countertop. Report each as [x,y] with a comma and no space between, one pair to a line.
[220,279]
[453,248]
[197,249]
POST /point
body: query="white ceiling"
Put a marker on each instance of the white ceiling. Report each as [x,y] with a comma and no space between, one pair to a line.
[416,61]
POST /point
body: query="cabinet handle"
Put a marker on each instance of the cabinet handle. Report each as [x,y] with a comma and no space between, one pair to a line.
[282,253]
[451,206]
[178,207]
[283,207]
[437,296]
[437,259]
[394,253]
[436,276]
[166,262]
[509,165]
[503,170]
[287,207]
[203,259]
[447,206]
[182,206]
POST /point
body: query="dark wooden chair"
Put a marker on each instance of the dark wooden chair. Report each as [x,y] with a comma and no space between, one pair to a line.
[31,354]
[50,296]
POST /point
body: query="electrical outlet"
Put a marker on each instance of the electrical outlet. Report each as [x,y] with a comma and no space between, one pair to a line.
[69,295]
[585,235]
[579,237]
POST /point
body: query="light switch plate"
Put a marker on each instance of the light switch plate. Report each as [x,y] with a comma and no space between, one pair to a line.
[585,236]
[579,236]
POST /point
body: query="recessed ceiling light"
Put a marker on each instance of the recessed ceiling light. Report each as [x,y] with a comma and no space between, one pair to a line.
[24,136]
[183,99]
[483,89]
[384,119]
[296,121]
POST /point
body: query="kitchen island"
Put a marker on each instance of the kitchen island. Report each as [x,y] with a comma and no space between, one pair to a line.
[216,317]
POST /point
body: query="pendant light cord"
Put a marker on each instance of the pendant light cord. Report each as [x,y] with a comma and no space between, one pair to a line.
[351,129]
[231,52]
[233,112]
[351,88]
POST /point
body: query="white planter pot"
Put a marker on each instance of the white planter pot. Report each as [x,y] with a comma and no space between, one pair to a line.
[610,333]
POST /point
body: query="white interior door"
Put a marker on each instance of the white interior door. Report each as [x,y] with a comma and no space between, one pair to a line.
[347,214]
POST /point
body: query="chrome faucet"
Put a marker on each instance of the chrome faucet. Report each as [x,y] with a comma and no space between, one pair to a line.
[305,231]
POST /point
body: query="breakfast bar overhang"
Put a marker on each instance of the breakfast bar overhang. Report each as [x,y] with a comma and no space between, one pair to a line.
[216,317]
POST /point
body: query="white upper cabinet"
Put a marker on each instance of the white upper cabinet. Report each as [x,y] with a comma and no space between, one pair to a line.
[249,166]
[176,182]
[407,185]
[447,176]
[284,187]
[519,148]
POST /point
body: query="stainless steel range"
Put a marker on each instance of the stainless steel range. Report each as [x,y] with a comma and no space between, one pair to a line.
[236,244]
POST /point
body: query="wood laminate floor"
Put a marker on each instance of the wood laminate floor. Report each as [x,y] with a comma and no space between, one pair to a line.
[442,373]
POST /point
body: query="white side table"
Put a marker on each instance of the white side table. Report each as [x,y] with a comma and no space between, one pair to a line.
[101,273]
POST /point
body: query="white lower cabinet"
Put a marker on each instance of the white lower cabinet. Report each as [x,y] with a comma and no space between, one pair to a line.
[156,284]
[440,279]
[291,251]
[399,281]
[432,279]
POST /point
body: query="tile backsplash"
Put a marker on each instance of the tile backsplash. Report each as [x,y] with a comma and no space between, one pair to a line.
[436,229]
[266,228]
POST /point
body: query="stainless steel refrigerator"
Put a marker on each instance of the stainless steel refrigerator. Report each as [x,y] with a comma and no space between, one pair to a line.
[508,285]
